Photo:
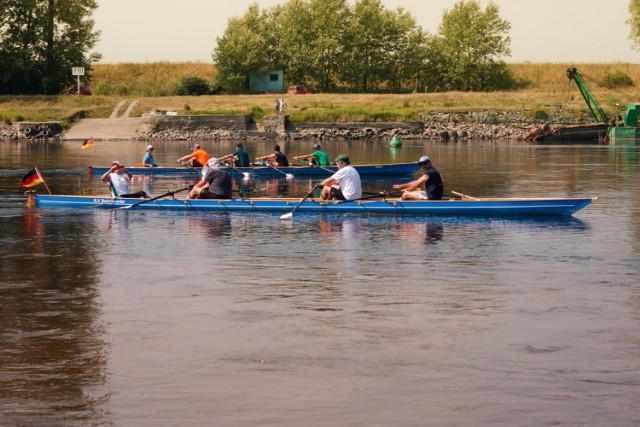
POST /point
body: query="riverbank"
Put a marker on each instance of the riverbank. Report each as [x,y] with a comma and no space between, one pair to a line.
[441,126]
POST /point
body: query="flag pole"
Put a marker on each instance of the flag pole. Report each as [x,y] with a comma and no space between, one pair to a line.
[42,179]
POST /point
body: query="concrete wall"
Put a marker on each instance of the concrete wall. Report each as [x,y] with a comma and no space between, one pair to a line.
[37,129]
[278,124]
[154,123]
[410,126]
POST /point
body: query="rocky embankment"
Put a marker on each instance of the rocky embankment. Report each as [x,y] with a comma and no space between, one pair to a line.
[472,125]
[481,125]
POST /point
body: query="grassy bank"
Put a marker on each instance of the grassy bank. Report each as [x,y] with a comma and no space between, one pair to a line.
[549,91]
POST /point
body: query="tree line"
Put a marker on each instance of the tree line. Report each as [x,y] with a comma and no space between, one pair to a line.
[337,47]
[40,40]
[331,45]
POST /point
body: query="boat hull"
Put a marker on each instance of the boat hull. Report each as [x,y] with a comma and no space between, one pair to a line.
[392,169]
[466,207]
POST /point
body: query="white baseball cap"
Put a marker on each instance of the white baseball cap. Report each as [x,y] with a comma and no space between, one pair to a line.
[214,163]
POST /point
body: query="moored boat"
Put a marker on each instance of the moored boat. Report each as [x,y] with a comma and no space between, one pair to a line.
[383,206]
[390,169]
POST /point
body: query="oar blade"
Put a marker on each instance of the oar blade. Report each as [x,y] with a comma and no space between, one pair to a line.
[288,215]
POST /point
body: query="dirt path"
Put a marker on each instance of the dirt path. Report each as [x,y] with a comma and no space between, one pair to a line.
[123,127]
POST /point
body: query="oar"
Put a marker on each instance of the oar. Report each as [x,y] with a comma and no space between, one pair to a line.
[451,196]
[245,175]
[464,196]
[168,193]
[290,214]
[186,165]
[287,175]
[313,165]
[382,194]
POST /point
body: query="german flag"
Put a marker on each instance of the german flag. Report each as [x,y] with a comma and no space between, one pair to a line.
[32,178]
[87,143]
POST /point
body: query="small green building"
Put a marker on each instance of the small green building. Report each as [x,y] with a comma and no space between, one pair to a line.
[272,81]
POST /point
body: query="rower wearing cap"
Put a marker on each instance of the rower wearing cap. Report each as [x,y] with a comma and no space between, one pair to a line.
[434,187]
[318,157]
[344,184]
[197,159]
[118,178]
[240,157]
[148,161]
[216,184]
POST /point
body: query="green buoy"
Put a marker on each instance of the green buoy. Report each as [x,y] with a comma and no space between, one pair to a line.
[395,142]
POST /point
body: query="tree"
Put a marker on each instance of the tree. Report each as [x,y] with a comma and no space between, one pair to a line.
[244,47]
[326,44]
[40,40]
[634,23]
[465,55]
[406,57]
[368,48]
[315,42]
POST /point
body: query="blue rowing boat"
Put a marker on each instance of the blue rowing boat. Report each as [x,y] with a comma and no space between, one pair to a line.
[391,169]
[383,206]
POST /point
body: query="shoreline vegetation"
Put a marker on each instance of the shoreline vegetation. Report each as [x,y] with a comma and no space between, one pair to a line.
[550,97]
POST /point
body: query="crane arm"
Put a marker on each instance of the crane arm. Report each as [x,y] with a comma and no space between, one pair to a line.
[596,111]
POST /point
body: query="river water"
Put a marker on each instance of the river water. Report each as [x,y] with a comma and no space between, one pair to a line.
[158,318]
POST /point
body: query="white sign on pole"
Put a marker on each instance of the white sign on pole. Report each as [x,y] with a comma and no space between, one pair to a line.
[77,71]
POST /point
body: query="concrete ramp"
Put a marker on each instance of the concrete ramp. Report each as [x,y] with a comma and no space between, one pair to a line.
[114,127]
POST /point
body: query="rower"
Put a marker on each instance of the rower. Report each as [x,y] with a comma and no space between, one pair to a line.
[197,159]
[434,186]
[276,159]
[240,157]
[318,157]
[118,178]
[216,184]
[344,184]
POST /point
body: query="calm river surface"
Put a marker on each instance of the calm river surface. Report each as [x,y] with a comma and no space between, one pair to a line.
[133,318]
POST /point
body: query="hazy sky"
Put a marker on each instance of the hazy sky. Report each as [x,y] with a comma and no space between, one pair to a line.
[564,31]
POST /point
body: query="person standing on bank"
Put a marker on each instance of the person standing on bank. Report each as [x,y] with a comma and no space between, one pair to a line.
[434,186]
[148,161]
[276,159]
[118,178]
[197,159]
[240,157]
[216,184]
[344,184]
[318,157]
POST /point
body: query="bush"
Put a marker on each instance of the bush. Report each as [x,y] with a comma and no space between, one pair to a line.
[257,113]
[538,115]
[103,88]
[191,85]
[617,79]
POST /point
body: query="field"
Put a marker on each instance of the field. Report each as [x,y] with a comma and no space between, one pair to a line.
[549,91]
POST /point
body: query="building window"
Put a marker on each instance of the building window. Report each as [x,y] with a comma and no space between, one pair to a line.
[274,77]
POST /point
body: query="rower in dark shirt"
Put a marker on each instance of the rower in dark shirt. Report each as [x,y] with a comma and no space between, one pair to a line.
[276,159]
[434,186]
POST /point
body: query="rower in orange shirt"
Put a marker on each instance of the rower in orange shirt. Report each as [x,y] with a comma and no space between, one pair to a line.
[198,157]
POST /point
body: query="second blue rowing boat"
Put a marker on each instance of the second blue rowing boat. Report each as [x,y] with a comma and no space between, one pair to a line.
[391,169]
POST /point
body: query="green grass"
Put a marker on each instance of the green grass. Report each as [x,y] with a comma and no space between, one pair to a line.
[550,93]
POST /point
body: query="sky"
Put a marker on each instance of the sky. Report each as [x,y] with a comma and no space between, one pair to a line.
[559,31]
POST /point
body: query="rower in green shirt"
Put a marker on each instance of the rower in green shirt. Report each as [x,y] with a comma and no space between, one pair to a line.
[318,157]
[240,157]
